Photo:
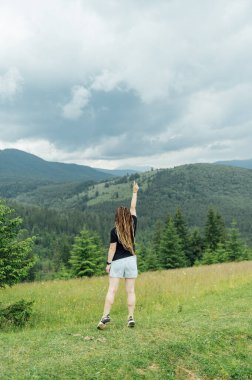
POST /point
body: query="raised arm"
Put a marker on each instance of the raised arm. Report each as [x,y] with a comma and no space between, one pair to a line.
[134,199]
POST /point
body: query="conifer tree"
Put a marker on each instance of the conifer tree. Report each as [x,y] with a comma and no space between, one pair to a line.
[235,247]
[221,254]
[214,229]
[183,233]
[208,257]
[16,257]
[141,252]
[196,245]
[86,256]
[152,260]
[171,252]
[155,246]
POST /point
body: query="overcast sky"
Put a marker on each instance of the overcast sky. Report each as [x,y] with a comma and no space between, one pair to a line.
[126,83]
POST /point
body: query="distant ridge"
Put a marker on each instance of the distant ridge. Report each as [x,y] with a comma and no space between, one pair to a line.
[119,172]
[246,164]
[17,164]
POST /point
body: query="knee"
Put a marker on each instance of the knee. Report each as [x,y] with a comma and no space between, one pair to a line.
[131,298]
[112,290]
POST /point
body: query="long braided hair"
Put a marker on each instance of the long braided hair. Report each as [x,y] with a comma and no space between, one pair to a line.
[124,228]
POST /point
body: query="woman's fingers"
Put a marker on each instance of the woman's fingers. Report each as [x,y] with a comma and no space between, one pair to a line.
[135,186]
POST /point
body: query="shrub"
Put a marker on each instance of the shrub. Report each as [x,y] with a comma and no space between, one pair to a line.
[16,314]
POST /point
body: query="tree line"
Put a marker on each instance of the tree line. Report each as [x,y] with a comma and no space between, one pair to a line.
[173,245]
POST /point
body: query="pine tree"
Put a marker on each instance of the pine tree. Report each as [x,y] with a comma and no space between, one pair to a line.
[183,233]
[86,255]
[158,231]
[248,253]
[196,245]
[221,253]
[152,260]
[214,229]
[171,252]
[222,234]
[208,257]
[235,247]
[16,257]
[141,252]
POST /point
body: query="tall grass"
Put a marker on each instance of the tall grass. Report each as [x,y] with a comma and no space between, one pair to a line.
[69,302]
[191,323]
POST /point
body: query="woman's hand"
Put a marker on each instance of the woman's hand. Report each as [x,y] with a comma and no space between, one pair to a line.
[135,187]
[108,268]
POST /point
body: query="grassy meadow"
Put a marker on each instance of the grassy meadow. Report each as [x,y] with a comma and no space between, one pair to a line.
[191,323]
[123,190]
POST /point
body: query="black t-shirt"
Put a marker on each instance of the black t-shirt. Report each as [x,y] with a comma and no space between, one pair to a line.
[121,252]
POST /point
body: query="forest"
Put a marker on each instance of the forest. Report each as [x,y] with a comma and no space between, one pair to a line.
[57,214]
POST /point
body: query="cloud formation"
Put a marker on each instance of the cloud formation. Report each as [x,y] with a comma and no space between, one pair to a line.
[10,84]
[79,99]
[124,83]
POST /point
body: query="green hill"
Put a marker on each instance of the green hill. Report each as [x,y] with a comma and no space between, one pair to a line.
[193,188]
[191,323]
[16,165]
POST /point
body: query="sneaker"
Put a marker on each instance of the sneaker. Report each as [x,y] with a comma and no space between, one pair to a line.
[131,322]
[103,322]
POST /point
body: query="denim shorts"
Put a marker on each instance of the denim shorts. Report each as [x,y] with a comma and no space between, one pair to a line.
[124,268]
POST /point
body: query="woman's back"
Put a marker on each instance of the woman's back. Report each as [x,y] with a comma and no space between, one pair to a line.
[122,252]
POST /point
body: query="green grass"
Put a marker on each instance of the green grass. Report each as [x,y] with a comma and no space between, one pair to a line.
[193,323]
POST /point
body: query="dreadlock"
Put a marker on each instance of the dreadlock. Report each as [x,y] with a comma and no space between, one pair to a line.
[124,228]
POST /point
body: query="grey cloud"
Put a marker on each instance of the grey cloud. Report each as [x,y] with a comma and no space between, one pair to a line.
[107,115]
[130,78]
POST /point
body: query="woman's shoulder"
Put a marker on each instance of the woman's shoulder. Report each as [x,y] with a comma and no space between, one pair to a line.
[113,231]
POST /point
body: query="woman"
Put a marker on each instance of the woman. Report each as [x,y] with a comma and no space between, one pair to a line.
[122,260]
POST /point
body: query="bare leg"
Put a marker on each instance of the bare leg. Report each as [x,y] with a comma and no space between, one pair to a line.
[130,289]
[109,300]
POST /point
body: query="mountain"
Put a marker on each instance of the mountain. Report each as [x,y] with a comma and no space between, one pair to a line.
[193,188]
[135,169]
[247,164]
[55,213]
[118,172]
[16,165]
